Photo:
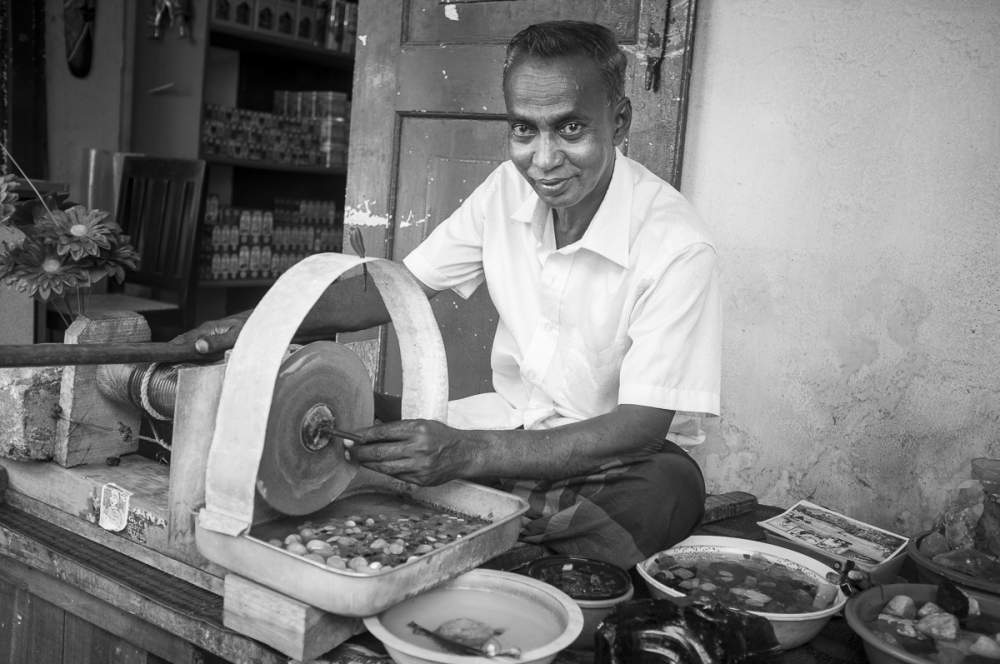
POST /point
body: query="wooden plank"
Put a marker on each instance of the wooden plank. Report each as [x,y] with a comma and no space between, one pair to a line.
[209,576]
[83,606]
[198,390]
[294,628]
[209,636]
[92,427]
[8,619]
[41,629]
[84,643]
[77,491]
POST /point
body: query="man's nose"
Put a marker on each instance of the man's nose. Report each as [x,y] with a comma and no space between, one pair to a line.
[548,154]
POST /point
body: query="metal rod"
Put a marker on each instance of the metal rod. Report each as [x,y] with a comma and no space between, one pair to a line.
[346,434]
[55,354]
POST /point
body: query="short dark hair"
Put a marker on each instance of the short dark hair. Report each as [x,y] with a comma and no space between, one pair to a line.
[555,39]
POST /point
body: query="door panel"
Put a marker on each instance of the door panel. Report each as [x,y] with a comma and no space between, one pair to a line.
[441,160]
[427,126]
[429,22]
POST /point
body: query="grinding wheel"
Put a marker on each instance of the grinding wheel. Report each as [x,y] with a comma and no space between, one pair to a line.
[319,387]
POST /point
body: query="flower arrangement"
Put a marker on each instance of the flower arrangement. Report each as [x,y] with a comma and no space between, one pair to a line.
[53,249]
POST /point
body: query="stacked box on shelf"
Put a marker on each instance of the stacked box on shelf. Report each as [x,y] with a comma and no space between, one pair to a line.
[330,109]
[265,15]
[245,243]
[260,136]
[237,13]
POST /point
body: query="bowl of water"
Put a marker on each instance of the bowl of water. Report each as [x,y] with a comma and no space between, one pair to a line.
[790,589]
[522,614]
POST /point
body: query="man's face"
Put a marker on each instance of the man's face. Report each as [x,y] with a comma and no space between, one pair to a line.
[563,130]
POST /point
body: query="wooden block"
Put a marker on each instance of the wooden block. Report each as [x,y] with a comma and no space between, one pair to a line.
[727,505]
[29,397]
[91,427]
[288,625]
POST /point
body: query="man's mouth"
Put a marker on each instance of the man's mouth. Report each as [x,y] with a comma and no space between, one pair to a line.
[551,185]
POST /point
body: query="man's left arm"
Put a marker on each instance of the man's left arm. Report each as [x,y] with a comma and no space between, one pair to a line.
[427,452]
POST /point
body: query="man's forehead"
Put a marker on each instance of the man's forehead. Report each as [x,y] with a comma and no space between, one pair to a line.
[545,78]
[575,66]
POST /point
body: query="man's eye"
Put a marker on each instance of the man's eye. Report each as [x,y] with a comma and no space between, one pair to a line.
[520,130]
[571,129]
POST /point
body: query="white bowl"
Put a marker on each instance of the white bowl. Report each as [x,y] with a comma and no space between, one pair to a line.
[790,629]
[538,618]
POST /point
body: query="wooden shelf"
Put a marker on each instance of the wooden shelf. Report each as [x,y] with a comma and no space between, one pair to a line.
[236,283]
[262,165]
[237,38]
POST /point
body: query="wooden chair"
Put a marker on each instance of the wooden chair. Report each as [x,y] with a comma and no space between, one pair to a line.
[159,204]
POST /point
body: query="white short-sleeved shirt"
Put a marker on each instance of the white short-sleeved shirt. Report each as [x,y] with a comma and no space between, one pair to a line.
[628,314]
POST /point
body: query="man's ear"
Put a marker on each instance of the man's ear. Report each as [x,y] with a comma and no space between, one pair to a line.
[623,119]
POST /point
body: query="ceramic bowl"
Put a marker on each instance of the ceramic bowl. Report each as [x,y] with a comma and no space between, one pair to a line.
[536,617]
[572,575]
[864,607]
[790,629]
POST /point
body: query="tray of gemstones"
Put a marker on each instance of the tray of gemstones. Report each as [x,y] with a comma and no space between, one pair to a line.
[379,543]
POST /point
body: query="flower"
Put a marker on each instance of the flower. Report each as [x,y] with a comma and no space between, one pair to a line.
[81,232]
[35,269]
[49,248]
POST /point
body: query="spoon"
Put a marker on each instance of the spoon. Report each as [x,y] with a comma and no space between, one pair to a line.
[488,650]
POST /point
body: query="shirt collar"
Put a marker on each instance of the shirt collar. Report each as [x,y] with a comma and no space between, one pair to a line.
[609,230]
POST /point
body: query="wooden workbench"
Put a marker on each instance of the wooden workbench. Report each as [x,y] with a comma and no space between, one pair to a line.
[67,599]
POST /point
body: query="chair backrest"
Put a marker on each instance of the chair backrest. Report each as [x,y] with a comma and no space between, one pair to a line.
[159,204]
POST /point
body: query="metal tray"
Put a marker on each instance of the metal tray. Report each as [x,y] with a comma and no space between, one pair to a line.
[353,594]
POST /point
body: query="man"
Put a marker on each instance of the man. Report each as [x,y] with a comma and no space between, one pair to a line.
[609,334]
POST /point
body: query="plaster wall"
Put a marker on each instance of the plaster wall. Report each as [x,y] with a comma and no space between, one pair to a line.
[847,156]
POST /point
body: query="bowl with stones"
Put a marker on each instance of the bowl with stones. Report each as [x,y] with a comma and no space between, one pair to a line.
[796,593]
[595,585]
[921,623]
[480,616]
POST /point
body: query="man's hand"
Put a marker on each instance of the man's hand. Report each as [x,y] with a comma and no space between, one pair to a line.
[423,452]
[213,336]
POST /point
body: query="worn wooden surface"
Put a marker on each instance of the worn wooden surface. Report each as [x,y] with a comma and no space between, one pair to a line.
[288,625]
[91,630]
[70,498]
[92,427]
[149,594]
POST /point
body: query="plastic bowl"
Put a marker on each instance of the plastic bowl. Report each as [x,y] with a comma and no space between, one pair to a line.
[790,629]
[865,606]
[566,574]
[538,618]
[929,571]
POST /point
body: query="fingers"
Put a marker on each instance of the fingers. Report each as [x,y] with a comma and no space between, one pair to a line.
[374,452]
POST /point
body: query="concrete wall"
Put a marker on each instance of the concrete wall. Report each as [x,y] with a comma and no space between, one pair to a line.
[90,112]
[847,155]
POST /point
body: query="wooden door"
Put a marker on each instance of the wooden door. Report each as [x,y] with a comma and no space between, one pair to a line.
[428,125]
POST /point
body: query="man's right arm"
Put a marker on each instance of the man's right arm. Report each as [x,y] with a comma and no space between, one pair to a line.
[348,305]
